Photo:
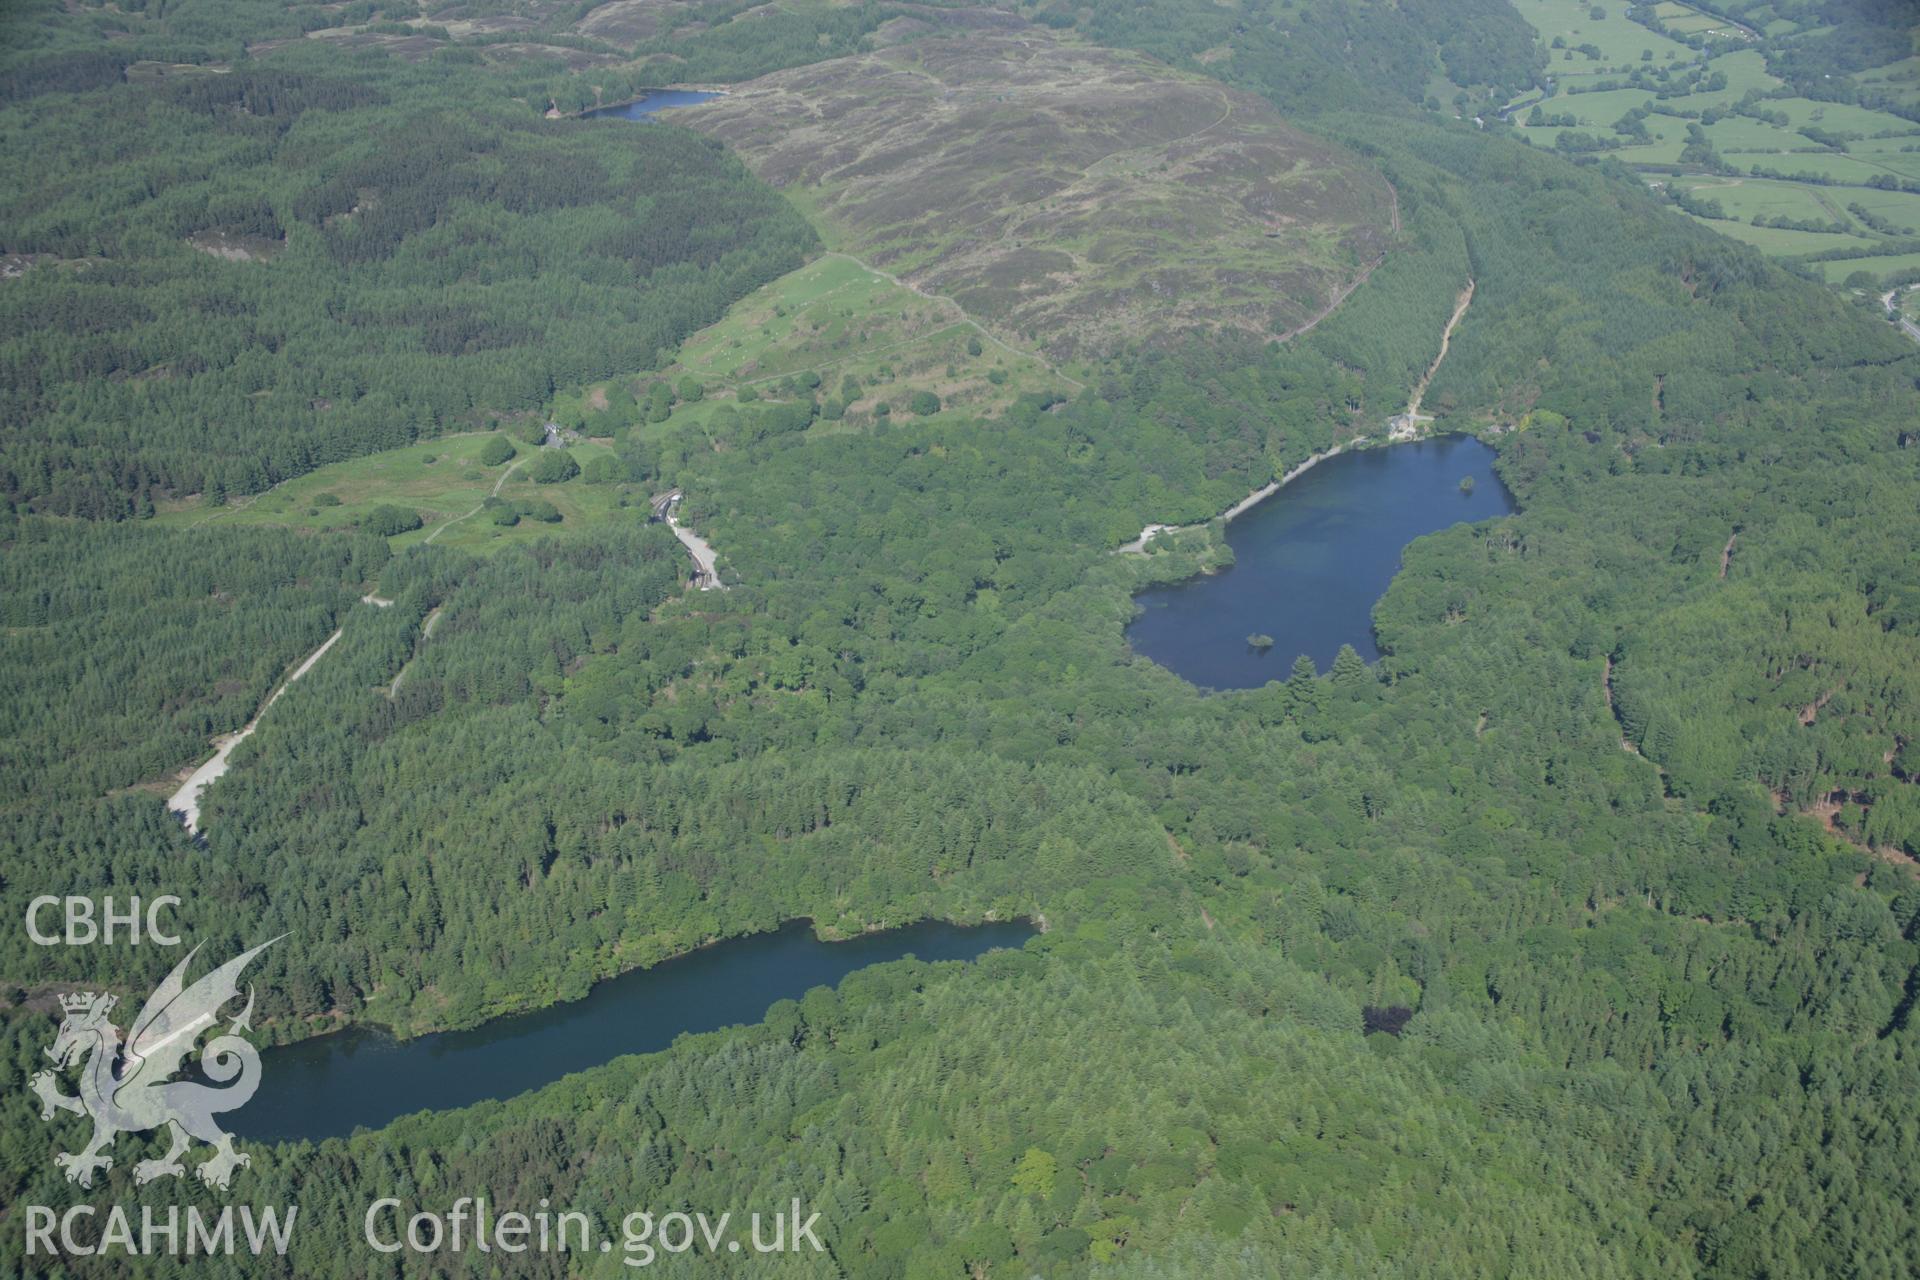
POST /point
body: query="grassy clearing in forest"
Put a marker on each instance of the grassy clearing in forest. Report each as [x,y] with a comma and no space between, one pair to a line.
[441,480]
[838,319]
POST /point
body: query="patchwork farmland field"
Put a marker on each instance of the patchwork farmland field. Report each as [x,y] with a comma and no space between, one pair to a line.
[1786,243]
[1618,40]
[1700,111]
[1751,199]
[1836,270]
[1686,20]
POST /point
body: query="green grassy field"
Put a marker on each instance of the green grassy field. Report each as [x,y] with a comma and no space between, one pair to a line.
[1669,138]
[1900,155]
[837,318]
[1737,134]
[1816,182]
[442,480]
[1744,69]
[1882,266]
[1839,117]
[1681,19]
[1665,150]
[802,336]
[1901,79]
[1785,243]
[1900,208]
[1834,168]
[1748,198]
[1600,110]
[1619,40]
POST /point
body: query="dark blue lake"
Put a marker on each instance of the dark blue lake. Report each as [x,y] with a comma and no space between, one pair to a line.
[1312,561]
[658,100]
[328,1086]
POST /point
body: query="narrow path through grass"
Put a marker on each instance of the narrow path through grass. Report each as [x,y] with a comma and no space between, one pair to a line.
[496,493]
[985,332]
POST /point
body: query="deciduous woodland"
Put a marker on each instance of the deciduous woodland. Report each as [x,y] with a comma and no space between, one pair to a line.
[1576,937]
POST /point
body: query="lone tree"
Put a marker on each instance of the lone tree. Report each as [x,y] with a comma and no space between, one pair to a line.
[496,451]
[1303,688]
[1349,670]
[924,403]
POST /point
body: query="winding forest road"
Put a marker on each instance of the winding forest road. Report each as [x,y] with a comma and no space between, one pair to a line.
[427,624]
[705,559]
[186,801]
[1907,326]
[1407,424]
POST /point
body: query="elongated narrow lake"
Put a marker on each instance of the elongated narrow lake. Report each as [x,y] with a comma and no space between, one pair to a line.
[658,100]
[328,1086]
[1311,562]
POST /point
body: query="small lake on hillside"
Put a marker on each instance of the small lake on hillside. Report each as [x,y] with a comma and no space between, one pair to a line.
[1312,561]
[327,1086]
[658,100]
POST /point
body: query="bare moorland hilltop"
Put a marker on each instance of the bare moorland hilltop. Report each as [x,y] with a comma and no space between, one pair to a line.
[1076,198]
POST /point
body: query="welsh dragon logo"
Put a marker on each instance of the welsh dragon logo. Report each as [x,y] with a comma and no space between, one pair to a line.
[134,1092]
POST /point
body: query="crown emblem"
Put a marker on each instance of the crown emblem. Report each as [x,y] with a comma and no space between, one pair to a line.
[136,1090]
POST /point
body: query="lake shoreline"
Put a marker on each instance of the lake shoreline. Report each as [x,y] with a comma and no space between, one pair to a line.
[363,1076]
[1309,571]
[1036,922]
[718,91]
[1139,545]
[1271,487]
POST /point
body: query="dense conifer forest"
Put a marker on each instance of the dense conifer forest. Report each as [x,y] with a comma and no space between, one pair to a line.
[1576,937]
[414,256]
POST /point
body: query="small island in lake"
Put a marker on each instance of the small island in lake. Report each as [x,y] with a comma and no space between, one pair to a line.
[1259,640]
